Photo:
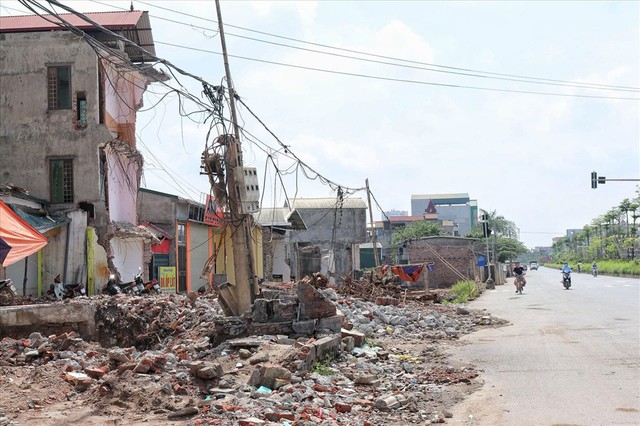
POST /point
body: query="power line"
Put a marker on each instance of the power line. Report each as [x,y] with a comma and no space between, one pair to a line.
[416,64]
[400,80]
[387,57]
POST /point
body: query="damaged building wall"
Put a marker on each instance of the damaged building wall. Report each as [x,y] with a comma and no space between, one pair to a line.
[60,144]
[334,231]
[98,266]
[198,249]
[124,89]
[76,259]
[128,256]
[124,167]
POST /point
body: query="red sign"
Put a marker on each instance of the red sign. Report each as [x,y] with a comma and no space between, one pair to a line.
[213,213]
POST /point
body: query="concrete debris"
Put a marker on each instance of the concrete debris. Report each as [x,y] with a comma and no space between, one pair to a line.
[165,359]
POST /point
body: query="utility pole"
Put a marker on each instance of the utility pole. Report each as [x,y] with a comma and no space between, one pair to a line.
[245,281]
[374,239]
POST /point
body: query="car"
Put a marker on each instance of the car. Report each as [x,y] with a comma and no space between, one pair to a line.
[533,265]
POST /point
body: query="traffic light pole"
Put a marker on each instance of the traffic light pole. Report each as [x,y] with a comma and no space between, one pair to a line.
[484,219]
[595,180]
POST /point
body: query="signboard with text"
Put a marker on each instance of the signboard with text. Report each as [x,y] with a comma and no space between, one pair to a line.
[167,279]
[212,212]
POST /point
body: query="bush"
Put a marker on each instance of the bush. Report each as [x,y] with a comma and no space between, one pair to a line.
[612,267]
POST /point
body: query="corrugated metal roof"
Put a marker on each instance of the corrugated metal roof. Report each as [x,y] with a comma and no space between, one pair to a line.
[328,203]
[280,217]
[110,20]
[134,26]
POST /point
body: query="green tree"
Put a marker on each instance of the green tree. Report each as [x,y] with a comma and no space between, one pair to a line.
[415,230]
[508,249]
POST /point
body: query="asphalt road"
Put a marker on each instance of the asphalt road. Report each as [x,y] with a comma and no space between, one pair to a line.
[570,357]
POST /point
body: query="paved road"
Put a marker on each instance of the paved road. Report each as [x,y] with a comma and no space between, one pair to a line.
[570,357]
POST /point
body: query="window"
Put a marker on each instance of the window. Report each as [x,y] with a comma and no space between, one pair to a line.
[196,213]
[59,87]
[61,181]
[81,110]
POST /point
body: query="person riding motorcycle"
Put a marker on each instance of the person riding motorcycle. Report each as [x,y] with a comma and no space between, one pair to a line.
[519,273]
[594,268]
[566,267]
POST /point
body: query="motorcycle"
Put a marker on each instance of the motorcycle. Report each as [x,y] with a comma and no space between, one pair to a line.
[136,286]
[61,291]
[519,280]
[8,292]
[151,287]
[594,271]
[566,279]
[111,288]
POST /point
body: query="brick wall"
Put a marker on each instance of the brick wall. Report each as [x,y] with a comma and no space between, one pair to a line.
[461,257]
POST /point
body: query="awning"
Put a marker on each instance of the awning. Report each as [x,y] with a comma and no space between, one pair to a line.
[41,223]
[19,235]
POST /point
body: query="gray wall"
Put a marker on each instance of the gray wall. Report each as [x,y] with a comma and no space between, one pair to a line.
[36,133]
[350,227]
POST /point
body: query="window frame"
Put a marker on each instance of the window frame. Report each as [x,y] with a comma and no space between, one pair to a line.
[53,94]
[67,195]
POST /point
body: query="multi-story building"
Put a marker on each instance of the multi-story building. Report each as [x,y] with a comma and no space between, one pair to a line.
[67,129]
[457,211]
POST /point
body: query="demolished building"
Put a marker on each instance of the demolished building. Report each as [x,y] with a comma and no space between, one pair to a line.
[67,135]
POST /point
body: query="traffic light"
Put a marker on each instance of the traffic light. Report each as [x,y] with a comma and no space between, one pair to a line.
[486,231]
[595,180]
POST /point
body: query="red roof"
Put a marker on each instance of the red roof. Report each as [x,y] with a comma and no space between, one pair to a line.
[109,20]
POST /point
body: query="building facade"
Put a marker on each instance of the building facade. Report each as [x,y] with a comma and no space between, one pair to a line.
[200,253]
[67,133]
[329,244]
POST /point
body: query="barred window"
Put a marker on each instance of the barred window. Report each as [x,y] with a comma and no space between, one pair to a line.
[61,181]
[59,87]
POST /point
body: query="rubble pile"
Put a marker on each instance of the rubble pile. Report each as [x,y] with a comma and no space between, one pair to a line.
[145,322]
[159,360]
[372,286]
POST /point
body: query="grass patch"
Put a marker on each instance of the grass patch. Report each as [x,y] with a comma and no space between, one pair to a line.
[322,367]
[464,291]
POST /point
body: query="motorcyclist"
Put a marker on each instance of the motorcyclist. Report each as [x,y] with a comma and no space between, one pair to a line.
[519,273]
[566,267]
[594,268]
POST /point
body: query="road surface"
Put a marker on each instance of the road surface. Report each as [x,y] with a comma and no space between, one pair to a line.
[570,357]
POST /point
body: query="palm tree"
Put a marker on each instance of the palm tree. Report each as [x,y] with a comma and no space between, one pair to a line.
[624,207]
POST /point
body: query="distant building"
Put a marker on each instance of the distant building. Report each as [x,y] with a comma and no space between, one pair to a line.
[458,211]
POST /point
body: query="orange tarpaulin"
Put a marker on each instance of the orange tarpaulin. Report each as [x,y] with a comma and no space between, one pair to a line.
[21,237]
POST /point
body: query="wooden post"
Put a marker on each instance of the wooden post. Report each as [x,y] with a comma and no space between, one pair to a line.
[374,238]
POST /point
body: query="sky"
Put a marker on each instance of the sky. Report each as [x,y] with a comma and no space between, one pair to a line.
[514,103]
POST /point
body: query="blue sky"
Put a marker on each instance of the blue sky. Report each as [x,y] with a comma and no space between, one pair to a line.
[526,156]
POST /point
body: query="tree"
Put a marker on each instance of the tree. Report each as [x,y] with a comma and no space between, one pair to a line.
[417,229]
[625,207]
[508,248]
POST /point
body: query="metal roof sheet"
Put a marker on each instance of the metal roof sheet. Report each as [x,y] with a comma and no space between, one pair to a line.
[328,203]
[280,217]
[133,25]
[110,20]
